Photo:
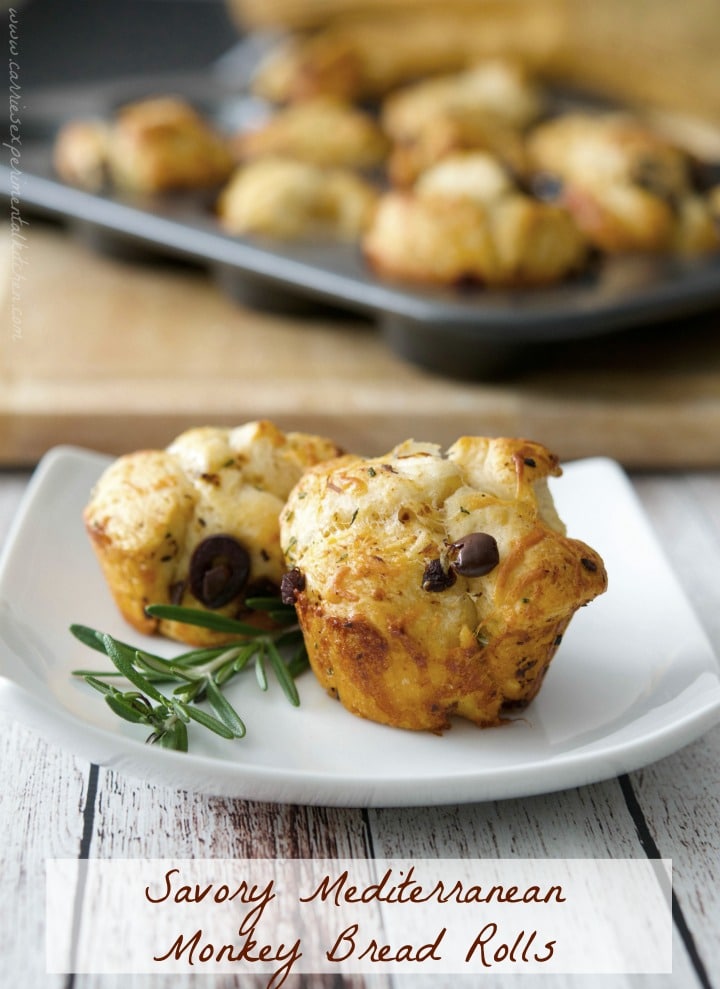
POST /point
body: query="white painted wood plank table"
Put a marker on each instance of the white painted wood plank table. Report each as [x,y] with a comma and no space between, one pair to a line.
[54,805]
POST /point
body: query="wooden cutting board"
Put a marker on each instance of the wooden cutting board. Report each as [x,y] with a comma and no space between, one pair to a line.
[116,356]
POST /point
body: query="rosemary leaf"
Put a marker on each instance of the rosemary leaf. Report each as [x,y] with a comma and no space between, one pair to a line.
[89,637]
[280,616]
[181,736]
[96,640]
[204,619]
[244,657]
[154,663]
[175,736]
[229,670]
[119,656]
[299,663]
[118,705]
[224,709]
[260,673]
[208,721]
[197,674]
[91,678]
[194,657]
[281,672]
[116,675]
[189,691]
[289,637]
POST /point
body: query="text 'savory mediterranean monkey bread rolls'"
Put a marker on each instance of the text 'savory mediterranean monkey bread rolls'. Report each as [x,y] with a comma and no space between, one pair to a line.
[434,584]
[197,524]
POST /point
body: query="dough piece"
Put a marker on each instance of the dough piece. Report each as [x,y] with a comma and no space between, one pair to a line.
[407,616]
[81,155]
[466,221]
[152,510]
[500,89]
[477,176]
[628,188]
[356,57]
[321,132]
[445,133]
[152,146]
[288,199]
[305,68]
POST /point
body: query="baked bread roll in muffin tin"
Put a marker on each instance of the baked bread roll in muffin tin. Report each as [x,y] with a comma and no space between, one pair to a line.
[144,176]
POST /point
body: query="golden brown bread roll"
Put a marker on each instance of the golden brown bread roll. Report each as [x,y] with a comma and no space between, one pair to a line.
[279,197]
[628,188]
[485,108]
[152,146]
[81,154]
[321,132]
[499,88]
[452,131]
[430,585]
[467,221]
[359,56]
[197,524]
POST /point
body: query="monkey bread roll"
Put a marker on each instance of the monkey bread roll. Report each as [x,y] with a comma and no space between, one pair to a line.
[628,188]
[153,146]
[197,524]
[288,199]
[429,584]
[324,132]
[467,220]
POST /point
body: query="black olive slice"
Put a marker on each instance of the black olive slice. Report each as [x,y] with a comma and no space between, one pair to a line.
[436,578]
[293,582]
[176,591]
[219,570]
[477,554]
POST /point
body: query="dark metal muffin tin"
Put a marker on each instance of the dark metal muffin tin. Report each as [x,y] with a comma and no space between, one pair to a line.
[468,332]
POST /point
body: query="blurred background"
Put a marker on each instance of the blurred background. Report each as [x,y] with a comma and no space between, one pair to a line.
[112,354]
[659,50]
[86,40]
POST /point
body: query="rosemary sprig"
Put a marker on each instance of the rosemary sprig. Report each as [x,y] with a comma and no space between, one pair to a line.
[199,674]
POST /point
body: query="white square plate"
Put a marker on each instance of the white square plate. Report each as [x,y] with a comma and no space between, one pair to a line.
[634,679]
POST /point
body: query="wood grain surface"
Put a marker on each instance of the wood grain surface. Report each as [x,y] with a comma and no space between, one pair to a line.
[116,356]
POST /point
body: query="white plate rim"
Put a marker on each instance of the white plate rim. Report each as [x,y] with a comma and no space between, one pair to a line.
[207,775]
